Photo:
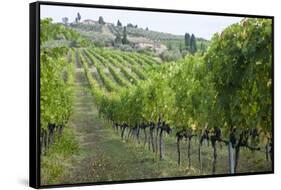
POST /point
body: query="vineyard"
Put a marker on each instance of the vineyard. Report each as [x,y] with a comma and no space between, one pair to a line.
[203,114]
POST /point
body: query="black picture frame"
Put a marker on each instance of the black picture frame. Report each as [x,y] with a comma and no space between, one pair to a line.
[34,92]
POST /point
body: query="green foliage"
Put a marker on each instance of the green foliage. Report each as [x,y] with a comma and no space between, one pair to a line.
[185,46]
[118,39]
[50,31]
[58,158]
[56,87]
[240,59]
[187,40]
[230,85]
[193,45]
[170,55]
[124,38]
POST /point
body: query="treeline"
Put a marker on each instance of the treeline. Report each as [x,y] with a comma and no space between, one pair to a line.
[50,31]
[223,96]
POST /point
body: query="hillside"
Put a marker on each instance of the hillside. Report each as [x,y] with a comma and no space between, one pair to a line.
[107,34]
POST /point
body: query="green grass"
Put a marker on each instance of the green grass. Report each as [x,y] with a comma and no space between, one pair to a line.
[57,160]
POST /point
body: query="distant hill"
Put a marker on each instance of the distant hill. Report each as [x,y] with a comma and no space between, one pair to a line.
[105,35]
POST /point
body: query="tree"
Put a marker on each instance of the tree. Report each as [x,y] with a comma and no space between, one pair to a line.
[78,17]
[101,21]
[65,20]
[187,40]
[180,47]
[130,25]
[118,39]
[169,46]
[193,47]
[124,39]
[146,29]
[202,47]
[119,23]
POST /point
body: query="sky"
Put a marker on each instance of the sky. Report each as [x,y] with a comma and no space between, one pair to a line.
[175,23]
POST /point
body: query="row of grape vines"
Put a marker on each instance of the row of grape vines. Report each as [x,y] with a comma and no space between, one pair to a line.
[56,93]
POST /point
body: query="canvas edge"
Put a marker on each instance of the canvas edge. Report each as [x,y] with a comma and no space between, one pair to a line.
[34,131]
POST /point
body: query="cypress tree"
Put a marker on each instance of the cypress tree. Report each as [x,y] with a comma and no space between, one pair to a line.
[119,23]
[118,39]
[78,17]
[187,41]
[193,47]
[124,39]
